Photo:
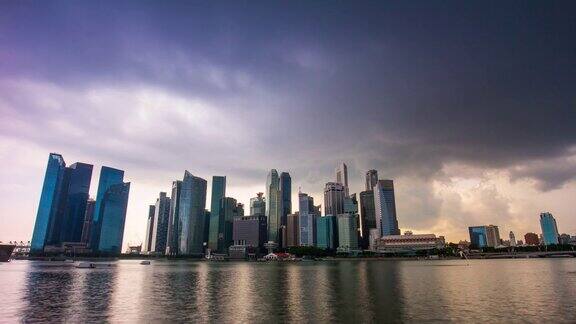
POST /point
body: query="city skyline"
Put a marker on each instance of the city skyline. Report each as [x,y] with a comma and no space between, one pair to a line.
[474,127]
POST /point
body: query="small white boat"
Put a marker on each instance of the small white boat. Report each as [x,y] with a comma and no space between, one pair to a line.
[145,262]
[85,265]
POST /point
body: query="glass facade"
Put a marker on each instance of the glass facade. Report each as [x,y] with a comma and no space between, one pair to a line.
[326,232]
[385,208]
[192,215]
[79,177]
[347,232]
[371,179]
[113,218]
[149,228]
[160,228]
[49,202]
[173,223]
[367,216]
[216,227]
[229,210]
[549,229]
[334,198]
[273,206]
[108,178]
[478,236]
[286,192]
[258,205]
[307,220]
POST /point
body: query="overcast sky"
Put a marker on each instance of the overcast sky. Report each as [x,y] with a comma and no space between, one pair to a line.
[469,106]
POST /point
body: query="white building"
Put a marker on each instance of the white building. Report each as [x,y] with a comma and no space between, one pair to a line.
[409,242]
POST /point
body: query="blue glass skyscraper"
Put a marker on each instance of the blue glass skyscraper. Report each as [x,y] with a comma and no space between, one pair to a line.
[108,178]
[216,227]
[113,218]
[192,215]
[307,220]
[478,236]
[161,220]
[173,222]
[326,232]
[385,208]
[549,229]
[286,193]
[49,202]
[79,177]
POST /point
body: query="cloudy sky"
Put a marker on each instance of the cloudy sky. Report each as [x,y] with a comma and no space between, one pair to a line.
[469,107]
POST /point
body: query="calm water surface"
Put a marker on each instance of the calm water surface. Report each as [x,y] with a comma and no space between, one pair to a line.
[342,291]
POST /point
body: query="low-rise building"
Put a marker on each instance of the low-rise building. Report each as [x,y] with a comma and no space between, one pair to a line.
[409,242]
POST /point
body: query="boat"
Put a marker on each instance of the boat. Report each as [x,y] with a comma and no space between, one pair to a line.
[6,251]
[85,265]
[145,262]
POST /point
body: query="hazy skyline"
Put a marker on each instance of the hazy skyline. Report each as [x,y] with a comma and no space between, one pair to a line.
[469,107]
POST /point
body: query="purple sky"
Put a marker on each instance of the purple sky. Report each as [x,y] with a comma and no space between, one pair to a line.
[469,107]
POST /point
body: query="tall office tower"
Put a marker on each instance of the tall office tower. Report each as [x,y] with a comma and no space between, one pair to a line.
[371,179]
[258,205]
[229,210]
[88,221]
[549,229]
[293,230]
[478,236]
[385,208]
[531,239]
[149,229]
[173,222]
[326,232]
[333,199]
[273,206]
[347,232]
[286,193]
[367,216]
[206,226]
[191,215]
[351,204]
[161,220]
[216,228]
[307,220]
[108,178]
[79,176]
[492,236]
[342,177]
[113,207]
[250,231]
[512,239]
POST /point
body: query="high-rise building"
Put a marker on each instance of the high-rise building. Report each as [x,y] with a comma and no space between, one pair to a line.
[250,231]
[79,176]
[293,230]
[385,208]
[113,218]
[88,221]
[307,221]
[230,209]
[484,236]
[493,236]
[549,229]
[326,232]
[191,215]
[512,238]
[273,206]
[173,222]
[531,239]
[216,229]
[109,177]
[258,205]
[149,229]
[333,199]
[347,232]
[161,221]
[286,193]
[371,179]
[342,177]
[367,216]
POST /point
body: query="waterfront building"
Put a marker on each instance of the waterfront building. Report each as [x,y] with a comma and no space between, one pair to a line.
[342,177]
[229,210]
[109,177]
[273,206]
[87,221]
[308,214]
[347,232]
[512,238]
[78,176]
[385,208]
[286,193]
[173,221]
[367,216]
[409,243]
[564,239]
[371,179]
[326,232]
[293,230]
[549,229]
[160,227]
[113,218]
[258,205]
[216,228]
[191,215]
[492,236]
[250,231]
[484,236]
[149,229]
[373,237]
[334,198]
[531,239]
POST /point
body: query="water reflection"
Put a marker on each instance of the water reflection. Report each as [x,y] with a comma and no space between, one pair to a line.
[47,295]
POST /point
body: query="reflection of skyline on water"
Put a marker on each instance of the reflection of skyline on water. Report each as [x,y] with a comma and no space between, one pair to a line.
[343,291]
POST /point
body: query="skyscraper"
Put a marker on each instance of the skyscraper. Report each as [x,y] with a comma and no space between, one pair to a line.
[549,229]
[191,215]
[512,239]
[108,178]
[216,228]
[333,199]
[492,236]
[49,202]
[113,206]
[79,177]
[347,232]
[174,220]
[258,205]
[342,177]
[229,210]
[286,192]
[385,208]
[307,222]
[89,215]
[273,206]
[149,229]
[484,236]
[293,230]
[161,220]
[326,232]
[367,216]
[371,179]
